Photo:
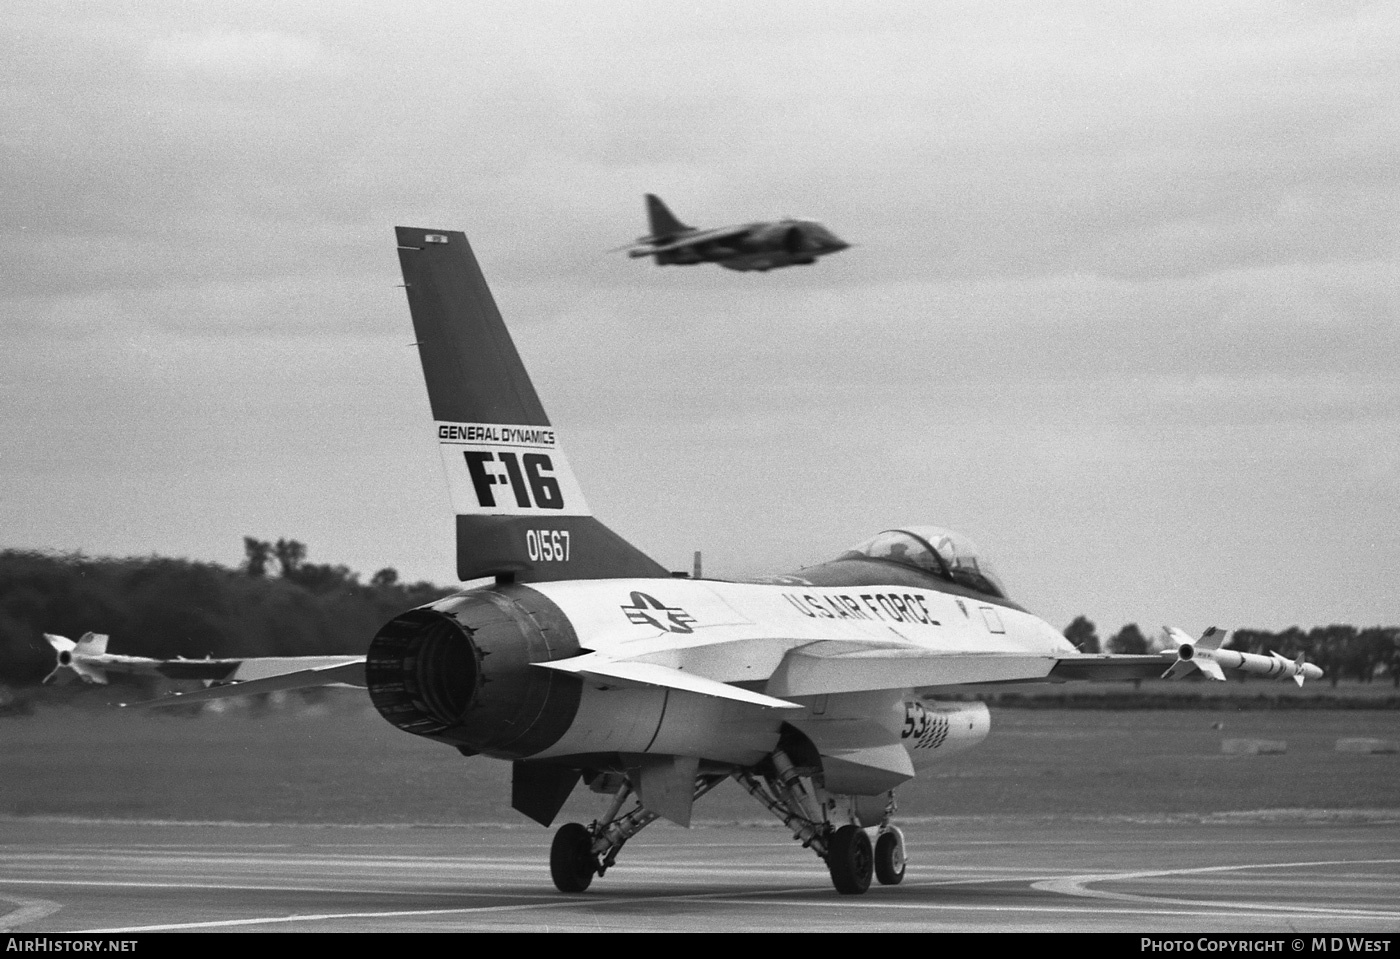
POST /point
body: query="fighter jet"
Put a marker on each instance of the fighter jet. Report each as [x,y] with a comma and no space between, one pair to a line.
[758,246]
[584,660]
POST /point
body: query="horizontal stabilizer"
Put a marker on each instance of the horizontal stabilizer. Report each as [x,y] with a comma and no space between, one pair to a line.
[351,673]
[614,673]
[275,667]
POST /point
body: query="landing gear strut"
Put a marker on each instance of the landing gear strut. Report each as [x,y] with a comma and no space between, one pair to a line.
[581,852]
[850,857]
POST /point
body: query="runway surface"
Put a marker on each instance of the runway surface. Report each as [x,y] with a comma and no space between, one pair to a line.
[1304,872]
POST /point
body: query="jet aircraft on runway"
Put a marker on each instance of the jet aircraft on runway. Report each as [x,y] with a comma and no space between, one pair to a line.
[760,246]
[584,660]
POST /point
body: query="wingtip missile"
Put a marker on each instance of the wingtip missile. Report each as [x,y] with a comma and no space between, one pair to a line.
[1209,656]
[79,658]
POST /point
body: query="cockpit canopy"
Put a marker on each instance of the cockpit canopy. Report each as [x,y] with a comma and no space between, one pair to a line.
[942,552]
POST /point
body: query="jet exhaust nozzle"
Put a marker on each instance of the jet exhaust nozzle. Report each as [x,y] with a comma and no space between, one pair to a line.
[461,671]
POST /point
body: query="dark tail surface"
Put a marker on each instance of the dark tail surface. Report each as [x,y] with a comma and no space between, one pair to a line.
[663,222]
[520,512]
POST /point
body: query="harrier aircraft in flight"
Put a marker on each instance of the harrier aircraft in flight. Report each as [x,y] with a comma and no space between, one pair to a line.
[584,660]
[749,246]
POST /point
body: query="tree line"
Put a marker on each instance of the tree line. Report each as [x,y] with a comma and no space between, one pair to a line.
[274,604]
[1343,652]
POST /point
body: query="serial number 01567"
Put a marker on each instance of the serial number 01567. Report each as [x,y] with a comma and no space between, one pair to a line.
[547,545]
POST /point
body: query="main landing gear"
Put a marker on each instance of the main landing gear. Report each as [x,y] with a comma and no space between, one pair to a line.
[851,858]
[581,852]
[889,855]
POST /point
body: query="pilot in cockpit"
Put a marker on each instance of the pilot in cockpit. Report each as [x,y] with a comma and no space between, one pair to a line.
[942,552]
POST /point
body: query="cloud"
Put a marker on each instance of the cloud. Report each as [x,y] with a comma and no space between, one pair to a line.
[1094,242]
[242,53]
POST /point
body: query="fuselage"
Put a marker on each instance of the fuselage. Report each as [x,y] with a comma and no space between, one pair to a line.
[465,670]
[758,246]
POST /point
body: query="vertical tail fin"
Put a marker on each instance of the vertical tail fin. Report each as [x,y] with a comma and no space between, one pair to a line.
[520,512]
[662,221]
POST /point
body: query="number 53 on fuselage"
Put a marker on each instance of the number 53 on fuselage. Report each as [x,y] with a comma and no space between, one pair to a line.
[584,660]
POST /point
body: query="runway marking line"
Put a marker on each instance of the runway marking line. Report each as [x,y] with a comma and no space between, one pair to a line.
[1128,904]
[30,910]
[1079,886]
[471,910]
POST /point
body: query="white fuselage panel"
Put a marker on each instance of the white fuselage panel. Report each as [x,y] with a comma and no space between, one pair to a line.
[738,632]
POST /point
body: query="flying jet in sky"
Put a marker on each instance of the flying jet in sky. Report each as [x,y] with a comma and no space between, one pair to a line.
[760,246]
[583,660]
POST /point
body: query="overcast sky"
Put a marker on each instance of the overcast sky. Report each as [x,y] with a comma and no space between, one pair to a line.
[1122,307]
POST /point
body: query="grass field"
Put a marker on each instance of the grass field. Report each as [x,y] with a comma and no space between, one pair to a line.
[1237,694]
[342,763]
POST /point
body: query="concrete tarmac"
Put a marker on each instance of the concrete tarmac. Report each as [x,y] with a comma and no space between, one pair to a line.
[1248,873]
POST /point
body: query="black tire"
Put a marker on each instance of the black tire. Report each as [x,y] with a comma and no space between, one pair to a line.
[887,870]
[571,863]
[850,860]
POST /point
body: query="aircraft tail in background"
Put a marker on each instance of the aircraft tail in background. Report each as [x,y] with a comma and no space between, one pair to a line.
[662,221]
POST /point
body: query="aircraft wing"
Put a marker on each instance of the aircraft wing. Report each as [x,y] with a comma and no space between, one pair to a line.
[89,660]
[840,667]
[844,667]
[830,668]
[836,666]
[1111,667]
[272,676]
[692,239]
